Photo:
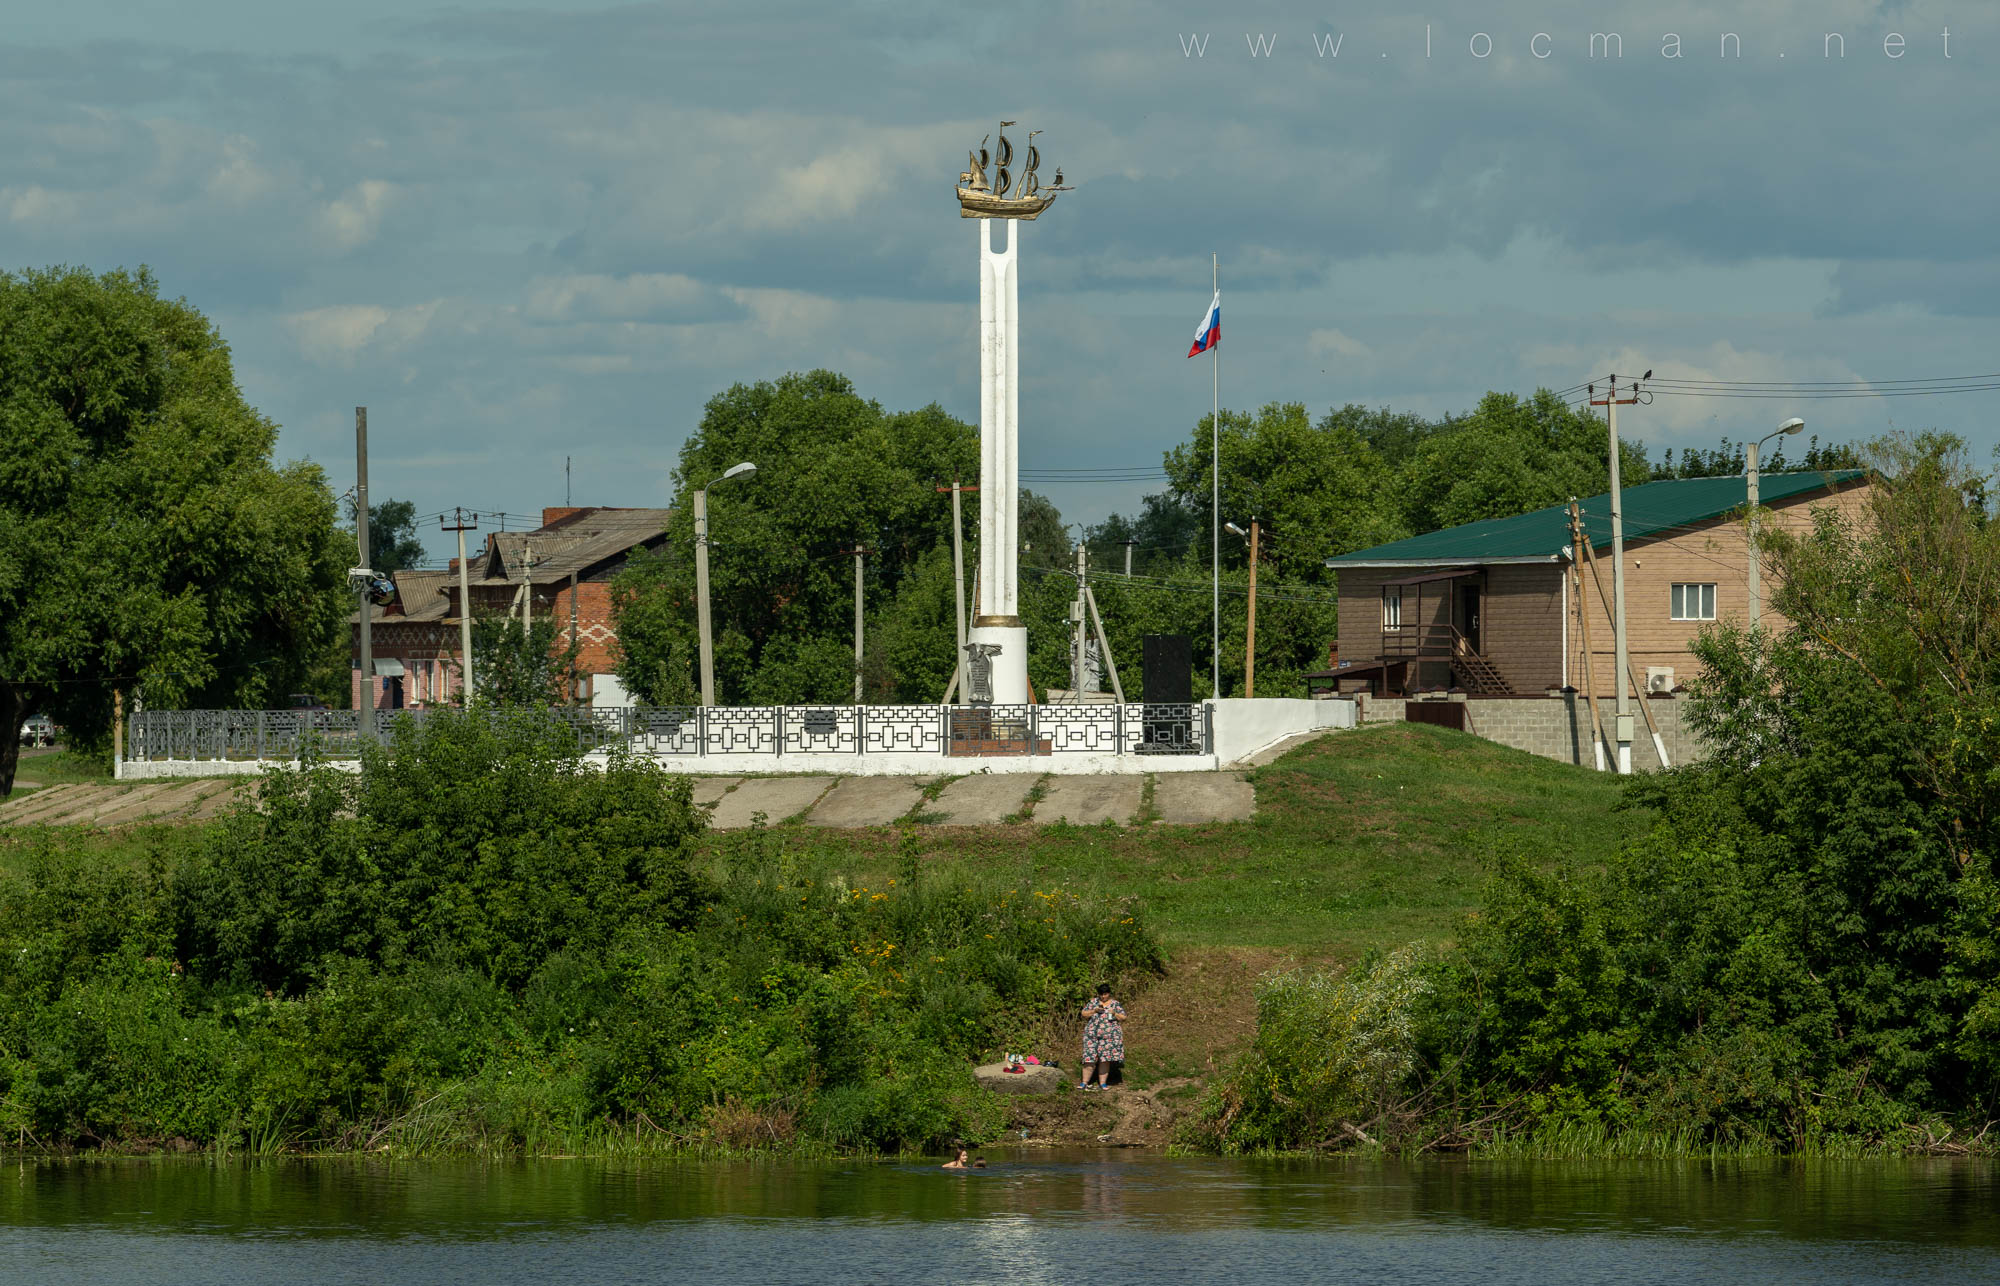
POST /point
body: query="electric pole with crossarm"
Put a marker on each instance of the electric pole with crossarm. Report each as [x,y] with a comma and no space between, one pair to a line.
[1623,720]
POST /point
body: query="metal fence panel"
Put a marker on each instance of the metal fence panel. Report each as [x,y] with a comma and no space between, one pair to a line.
[691,731]
[909,730]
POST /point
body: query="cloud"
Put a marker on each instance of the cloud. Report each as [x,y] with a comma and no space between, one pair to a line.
[647,296]
[555,228]
[354,218]
[337,335]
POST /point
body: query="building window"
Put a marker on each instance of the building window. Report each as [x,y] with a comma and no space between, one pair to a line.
[1392,607]
[1694,602]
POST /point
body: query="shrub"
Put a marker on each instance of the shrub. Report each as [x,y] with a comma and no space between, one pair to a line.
[482,943]
[1331,1059]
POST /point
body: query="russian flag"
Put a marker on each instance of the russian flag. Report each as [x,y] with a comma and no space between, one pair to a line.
[1209,333]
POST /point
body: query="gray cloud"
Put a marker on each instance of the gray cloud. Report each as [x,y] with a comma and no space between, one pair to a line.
[522,233]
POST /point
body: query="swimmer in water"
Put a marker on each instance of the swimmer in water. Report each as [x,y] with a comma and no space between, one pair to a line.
[956,1163]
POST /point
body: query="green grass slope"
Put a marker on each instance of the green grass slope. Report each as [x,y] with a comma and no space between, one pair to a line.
[1362,839]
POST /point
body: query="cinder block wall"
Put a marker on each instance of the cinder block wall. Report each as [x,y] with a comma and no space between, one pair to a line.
[1560,727]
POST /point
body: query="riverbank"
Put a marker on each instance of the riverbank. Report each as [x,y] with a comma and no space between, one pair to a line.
[1347,854]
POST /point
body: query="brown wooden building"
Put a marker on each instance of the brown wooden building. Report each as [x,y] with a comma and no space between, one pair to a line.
[1493,607]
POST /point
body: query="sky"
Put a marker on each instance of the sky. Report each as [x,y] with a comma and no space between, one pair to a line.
[525,234]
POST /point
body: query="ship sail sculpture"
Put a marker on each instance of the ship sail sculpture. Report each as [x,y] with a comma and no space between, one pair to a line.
[1003,196]
[996,649]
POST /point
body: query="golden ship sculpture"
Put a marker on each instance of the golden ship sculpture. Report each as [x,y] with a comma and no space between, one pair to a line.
[1003,195]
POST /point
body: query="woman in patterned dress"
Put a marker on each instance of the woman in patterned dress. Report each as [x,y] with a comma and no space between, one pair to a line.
[1103,1037]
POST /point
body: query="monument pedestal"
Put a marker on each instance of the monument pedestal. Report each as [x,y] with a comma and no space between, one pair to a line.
[1009,660]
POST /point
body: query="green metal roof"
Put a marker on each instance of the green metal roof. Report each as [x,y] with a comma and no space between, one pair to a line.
[1654,508]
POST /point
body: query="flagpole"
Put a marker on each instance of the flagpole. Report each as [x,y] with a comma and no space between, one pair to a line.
[1215,498]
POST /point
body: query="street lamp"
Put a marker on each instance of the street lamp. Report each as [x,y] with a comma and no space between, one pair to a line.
[1250,631]
[1756,612]
[744,470]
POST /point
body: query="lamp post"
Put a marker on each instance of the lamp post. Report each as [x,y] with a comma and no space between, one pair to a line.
[743,470]
[1756,604]
[1250,630]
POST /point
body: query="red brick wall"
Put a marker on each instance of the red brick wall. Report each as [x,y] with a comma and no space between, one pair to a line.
[599,653]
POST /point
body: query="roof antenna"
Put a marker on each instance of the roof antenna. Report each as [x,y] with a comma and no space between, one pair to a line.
[565,482]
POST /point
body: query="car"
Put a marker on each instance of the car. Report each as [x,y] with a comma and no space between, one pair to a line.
[307,701]
[39,730]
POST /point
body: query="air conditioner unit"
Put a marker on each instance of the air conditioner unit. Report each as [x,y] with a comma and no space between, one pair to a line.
[1659,678]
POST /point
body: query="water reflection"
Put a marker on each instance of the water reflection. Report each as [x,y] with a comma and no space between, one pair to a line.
[1046,1216]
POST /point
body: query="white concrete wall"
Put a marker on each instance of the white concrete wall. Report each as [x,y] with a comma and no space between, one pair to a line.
[1242,728]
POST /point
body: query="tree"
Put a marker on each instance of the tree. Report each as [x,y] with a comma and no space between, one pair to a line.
[517,665]
[833,469]
[1728,459]
[1510,456]
[392,535]
[1318,490]
[1165,534]
[147,542]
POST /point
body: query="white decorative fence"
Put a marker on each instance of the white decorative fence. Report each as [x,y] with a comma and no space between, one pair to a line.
[719,732]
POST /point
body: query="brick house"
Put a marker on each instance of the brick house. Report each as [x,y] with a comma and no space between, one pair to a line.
[561,570]
[1492,607]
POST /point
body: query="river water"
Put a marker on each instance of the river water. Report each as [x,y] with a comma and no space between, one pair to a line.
[1100,1217]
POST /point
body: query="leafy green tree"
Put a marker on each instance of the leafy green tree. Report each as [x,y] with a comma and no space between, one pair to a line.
[1044,540]
[1318,490]
[516,665]
[1727,459]
[392,535]
[1510,456]
[1806,942]
[147,542]
[833,469]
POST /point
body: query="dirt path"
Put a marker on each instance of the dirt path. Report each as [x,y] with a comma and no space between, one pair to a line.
[1182,1030]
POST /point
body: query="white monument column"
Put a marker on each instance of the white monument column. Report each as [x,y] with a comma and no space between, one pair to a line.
[996,621]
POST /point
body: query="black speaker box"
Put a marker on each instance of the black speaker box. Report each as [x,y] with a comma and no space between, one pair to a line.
[1168,669]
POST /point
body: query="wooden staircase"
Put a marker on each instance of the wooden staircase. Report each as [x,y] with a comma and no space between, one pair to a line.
[1476,674]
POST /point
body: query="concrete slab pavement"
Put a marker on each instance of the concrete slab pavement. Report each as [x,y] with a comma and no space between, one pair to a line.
[1086,801]
[983,799]
[775,797]
[1192,798]
[709,790]
[867,801]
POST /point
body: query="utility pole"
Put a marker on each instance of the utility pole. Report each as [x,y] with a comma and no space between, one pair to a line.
[1756,595]
[461,523]
[702,625]
[367,710]
[860,552]
[743,470]
[1611,402]
[1079,638]
[527,590]
[1645,706]
[1250,643]
[957,489]
[1583,616]
[1128,558]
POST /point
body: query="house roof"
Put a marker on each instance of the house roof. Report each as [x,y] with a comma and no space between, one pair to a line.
[573,543]
[420,595]
[1651,509]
